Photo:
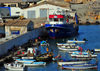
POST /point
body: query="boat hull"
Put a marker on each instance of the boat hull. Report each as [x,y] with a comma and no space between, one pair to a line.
[61,30]
[72,41]
[25,60]
[14,68]
[30,64]
[67,49]
[65,44]
[72,62]
[83,56]
[47,57]
[80,68]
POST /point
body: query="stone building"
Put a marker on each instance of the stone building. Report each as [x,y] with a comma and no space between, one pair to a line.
[5,5]
[16,27]
[40,10]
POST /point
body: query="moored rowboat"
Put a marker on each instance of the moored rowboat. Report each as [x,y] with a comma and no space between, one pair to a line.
[34,63]
[65,44]
[60,63]
[80,66]
[25,60]
[78,54]
[15,67]
[97,50]
[68,49]
[45,57]
[75,41]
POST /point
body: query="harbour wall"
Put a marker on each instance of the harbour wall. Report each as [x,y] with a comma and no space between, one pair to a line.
[20,40]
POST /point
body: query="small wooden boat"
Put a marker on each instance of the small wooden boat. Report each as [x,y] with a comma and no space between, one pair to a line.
[96,50]
[78,54]
[80,66]
[27,57]
[25,60]
[45,57]
[65,44]
[34,63]
[23,57]
[69,48]
[76,41]
[14,67]
[60,63]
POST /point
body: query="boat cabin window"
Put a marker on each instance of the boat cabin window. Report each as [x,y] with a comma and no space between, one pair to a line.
[51,19]
[55,19]
[61,19]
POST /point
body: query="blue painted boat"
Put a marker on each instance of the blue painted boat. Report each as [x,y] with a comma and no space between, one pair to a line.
[58,26]
[34,63]
[78,54]
[25,60]
[80,66]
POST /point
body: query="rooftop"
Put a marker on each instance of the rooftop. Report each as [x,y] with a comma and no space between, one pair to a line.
[16,23]
[10,1]
[63,4]
[16,1]
[2,24]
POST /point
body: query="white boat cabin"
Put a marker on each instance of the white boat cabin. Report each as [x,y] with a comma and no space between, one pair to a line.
[57,17]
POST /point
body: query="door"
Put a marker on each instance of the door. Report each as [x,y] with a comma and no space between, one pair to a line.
[31,14]
[43,13]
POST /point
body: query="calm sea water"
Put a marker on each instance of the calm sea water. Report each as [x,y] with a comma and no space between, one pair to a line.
[90,32]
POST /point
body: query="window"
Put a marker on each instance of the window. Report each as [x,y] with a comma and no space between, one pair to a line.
[61,19]
[51,19]
[13,5]
[55,19]
[17,12]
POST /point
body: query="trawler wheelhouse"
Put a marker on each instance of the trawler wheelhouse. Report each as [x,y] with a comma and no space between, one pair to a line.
[59,26]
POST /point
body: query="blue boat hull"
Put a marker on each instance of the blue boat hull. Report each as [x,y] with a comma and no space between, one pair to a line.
[61,30]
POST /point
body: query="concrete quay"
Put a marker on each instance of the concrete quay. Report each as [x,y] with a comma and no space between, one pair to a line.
[8,42]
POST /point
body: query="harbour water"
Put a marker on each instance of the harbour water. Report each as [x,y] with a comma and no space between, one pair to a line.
[90,32]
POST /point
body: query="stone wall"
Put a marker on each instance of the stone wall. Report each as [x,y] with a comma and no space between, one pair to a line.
[20,40]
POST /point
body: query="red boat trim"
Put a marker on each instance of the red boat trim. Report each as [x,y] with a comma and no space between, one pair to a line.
[56,16]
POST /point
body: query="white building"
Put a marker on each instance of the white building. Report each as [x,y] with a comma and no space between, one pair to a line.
[38,11]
